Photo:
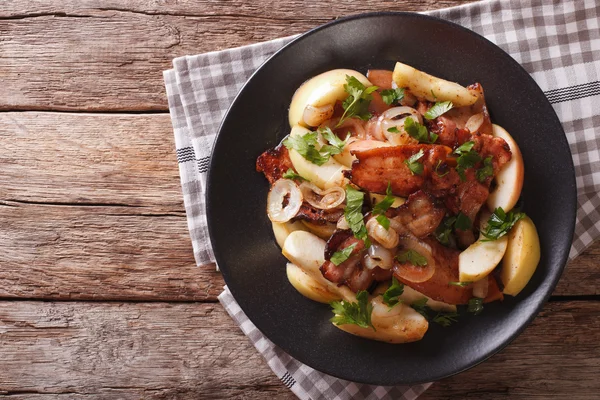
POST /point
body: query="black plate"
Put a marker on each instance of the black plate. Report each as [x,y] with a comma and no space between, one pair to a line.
[251,261]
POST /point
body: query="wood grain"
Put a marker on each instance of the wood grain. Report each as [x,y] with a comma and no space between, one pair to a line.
[191,351]
[108,55]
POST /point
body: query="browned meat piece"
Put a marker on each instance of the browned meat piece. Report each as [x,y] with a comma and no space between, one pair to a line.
[446,270]
[420,215]
[348,272]
[496,147]
[274,163]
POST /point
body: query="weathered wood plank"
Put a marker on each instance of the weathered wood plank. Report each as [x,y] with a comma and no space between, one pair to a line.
[162,350]
[90,158]
[108,55]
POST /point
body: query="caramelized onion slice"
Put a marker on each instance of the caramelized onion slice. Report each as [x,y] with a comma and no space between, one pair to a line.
[322,199]
[378,256]
[413,273]
[282,189]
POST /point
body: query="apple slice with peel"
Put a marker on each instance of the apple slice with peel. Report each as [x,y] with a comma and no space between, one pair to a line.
[522,256]
[324,176]
[480,258]
[314,100]
[310,287]
[509,180]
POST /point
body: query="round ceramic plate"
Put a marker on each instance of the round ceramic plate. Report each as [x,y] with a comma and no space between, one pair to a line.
[251,261]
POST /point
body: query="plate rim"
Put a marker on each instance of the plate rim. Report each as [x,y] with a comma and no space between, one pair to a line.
[562,262]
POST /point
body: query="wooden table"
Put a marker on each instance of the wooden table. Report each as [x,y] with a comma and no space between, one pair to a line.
[99,292]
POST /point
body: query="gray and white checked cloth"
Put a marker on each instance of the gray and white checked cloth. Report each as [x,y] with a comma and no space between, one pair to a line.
[557,42]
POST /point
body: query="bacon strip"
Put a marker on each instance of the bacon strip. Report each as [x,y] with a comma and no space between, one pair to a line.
[274,163]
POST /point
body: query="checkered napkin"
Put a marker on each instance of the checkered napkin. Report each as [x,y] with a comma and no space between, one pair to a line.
[558,43]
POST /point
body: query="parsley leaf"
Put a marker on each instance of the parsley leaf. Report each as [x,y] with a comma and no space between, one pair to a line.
[340,256]
[438,109]
[416,168]
[358,313]
[500,223]
[393,129]
[305,145]
[461,284]
[486,170]
[475,305]
[357,102]
[463,222]
[392,294]
[291,174]
[445,319]
[383,221]
[336,145]
[353,213]
[386,203]
[444,230]
[392,96]
[420,307]
[467,158]
[418,131]
[413,257]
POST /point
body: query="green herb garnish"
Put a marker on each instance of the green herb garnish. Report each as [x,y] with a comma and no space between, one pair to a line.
[438,109]
[357,102]
[486,171]
[306,145]
[353,213]
[418,131]
[386,203]
[420,307]
[392,294]
[358,313]
[463,222]
[383,221]
[412,257]
[446,319]
[467,158]
[444,230]
[393,129]
[500,223]
[336,145]
[437,166]
[443,318]
[340,256]
[392,96]
[461,284]
[475,305]
[415,167]
[291,174]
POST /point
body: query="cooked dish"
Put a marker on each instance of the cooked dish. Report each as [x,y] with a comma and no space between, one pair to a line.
[393,198]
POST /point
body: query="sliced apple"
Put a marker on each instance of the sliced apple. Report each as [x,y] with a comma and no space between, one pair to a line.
[319,95]
[310,287]
[509,180]
[522,256]
[410,296]
[324,176]
[377,198]
[401,324]
[323,231]
[480,258]
[282,230]
[431,88]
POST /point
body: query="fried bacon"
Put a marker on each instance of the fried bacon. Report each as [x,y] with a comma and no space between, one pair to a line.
[420,215]
[274,163]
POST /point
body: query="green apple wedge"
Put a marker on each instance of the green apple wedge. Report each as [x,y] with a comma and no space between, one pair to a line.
[480,258]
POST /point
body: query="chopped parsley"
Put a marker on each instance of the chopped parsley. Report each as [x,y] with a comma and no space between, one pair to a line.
[392,294]
[357,102]
[393,129]
[463,222]
[291,174]
[444,230]
[383,221]
[438,109]
[353,213]
[306,145]
[340,256]
[467,158]
[392,96]
[500,223]
[418,131]
[412,257]
[415,167]
[461,284]
[486,171]
[358,313]
[386,203]
[445,166]
[475,305]
[445,319]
